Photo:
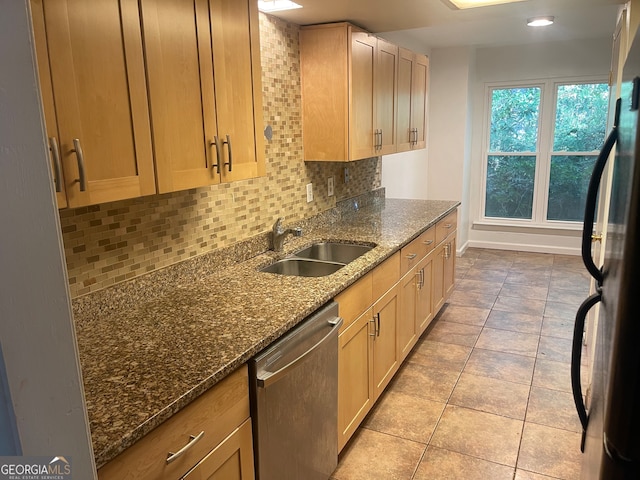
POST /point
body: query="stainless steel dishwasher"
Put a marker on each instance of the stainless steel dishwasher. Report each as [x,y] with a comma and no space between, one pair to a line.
[294,400]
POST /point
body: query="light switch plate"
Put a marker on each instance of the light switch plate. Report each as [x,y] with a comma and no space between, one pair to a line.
[309,192]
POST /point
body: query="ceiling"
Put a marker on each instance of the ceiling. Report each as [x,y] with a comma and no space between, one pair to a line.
[434,23]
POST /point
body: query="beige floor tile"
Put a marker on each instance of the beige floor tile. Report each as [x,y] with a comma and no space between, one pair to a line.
[491,395]
[524,475]
[533,258]
[500,365]
[568,261]
[479,286]
[497,254]
[532,278]
[555,327]
[556,349]
[564,311]
[479,434]
[552,375]
[420,381]
[494,263]
[550,451]
[508,342]
[578,281]
[405,416]
[464,314]
[515,322]
[440,356]
[456,333]
[520,305]
[524,291]
[566,296]
[553,409]
[472,299]
[441,464]
[486,275]
[372,454]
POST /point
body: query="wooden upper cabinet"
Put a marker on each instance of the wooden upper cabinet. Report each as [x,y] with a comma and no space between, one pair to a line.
[91,68]
[386,82]
[205,91]
[362,108]
[413,78]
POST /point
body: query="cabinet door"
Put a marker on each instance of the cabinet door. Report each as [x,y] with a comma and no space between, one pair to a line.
[424,300]
[48,105]
[362,102]
[355,388]
[385,345]
[438,277]
[405,78]
[180,79]
[97,71]
[386,70]
[449,265]
[419,100]
[230,460]
[407,333]
[238,87]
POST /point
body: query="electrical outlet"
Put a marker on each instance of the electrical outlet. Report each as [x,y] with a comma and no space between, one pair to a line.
[330,187]
[309,192]
[346,174]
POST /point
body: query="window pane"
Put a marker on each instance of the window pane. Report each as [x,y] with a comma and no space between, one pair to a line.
[514,119]
[509,191]
[568,183]
[581,117]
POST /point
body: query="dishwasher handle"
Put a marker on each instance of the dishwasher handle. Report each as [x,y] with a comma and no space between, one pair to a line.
[272,377]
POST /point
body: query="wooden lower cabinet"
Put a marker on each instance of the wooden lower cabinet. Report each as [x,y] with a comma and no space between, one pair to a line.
[231,460]
[407,323]
[216,425]
[437,290]
[385,349]
[424,294]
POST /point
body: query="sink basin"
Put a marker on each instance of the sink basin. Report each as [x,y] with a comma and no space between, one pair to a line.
[302,267]
[333,252]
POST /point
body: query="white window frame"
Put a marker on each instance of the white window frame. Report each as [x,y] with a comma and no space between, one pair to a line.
[543,153]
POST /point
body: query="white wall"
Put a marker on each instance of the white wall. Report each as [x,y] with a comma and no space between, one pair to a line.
[405,175]
[37,334]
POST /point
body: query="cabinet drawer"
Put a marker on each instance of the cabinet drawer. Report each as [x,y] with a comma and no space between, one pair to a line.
[386,275]
[415,251]
[355,300]
[447,225]
[216,413]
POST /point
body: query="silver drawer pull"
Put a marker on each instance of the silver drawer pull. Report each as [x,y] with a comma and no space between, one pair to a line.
[448,225]
[80,156]
[428,242]
[411,256]
[192,441]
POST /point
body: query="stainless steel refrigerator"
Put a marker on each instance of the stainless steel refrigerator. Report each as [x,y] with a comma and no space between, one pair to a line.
[611,437]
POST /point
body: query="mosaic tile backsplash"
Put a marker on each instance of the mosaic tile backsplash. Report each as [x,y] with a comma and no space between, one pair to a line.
[113,242]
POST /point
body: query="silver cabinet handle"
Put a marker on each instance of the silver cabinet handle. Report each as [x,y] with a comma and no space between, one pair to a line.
[411,256]
[228,144]
[375,329]
[418,281]
[380,141]
[80,156]
[447,250]
[448,225]
[378,329]
[428,242]
[218,164]
[192,441]
[421,278]
[55,153]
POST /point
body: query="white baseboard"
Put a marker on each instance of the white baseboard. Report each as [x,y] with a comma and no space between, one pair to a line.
[460,251]
[522,247]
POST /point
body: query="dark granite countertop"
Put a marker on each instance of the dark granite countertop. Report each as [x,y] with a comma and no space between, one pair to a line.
[149,349]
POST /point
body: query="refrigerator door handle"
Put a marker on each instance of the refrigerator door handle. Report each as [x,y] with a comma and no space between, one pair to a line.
[592,197]
[576,360]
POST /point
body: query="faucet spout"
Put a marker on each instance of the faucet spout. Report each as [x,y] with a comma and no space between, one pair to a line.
[278,234]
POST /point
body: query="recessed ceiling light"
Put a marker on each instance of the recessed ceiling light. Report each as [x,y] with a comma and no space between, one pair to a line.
[276,5]
[540,21]
[462,4]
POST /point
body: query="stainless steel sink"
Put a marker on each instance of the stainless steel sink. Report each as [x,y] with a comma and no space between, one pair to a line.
[318,259]
[302,267]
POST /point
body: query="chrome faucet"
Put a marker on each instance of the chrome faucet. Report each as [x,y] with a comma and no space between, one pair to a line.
[278,234]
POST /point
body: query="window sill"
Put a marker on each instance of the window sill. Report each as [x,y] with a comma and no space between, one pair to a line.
[569,230]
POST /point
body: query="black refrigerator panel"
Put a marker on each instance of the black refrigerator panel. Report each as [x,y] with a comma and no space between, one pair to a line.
[612,446]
